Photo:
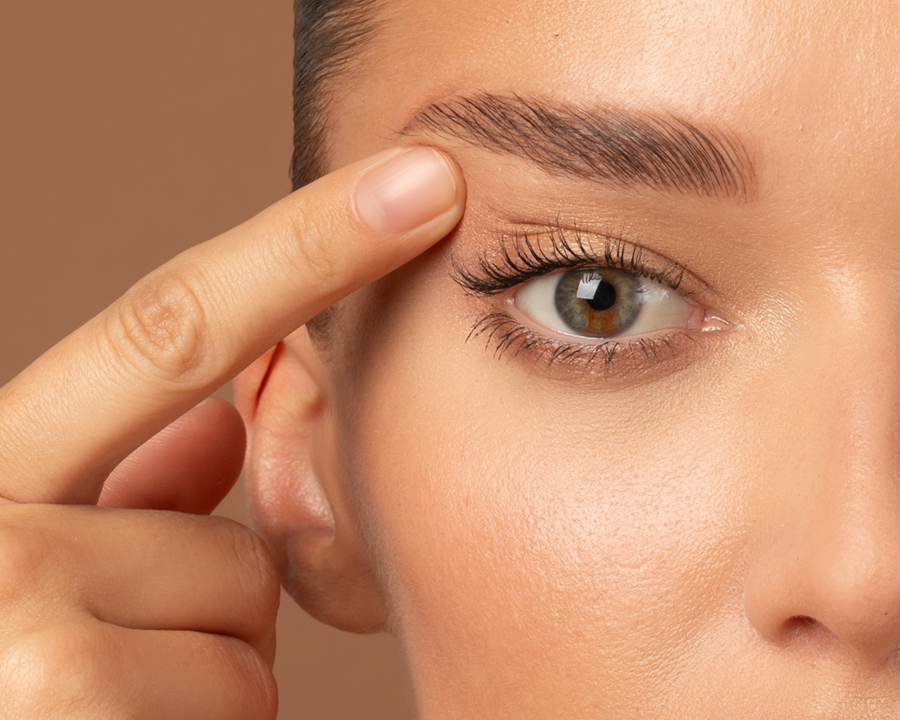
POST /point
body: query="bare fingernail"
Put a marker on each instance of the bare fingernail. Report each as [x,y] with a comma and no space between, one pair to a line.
[407,192]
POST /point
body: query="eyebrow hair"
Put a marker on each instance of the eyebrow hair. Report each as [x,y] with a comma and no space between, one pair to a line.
[610,146]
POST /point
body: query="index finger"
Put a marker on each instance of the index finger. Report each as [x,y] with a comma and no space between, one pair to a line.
[194,323]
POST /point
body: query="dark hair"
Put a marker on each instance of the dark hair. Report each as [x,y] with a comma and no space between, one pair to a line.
[328,37]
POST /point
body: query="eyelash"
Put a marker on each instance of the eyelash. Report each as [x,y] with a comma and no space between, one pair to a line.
[524,257]
[528,260]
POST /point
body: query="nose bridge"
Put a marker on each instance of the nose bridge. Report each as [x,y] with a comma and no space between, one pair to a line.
[858,367]
[833,564]
[854,489]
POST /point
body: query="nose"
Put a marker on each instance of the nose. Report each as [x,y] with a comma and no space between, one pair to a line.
[826,569]
[833,576]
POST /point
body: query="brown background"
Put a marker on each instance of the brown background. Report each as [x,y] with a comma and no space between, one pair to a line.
[131,130]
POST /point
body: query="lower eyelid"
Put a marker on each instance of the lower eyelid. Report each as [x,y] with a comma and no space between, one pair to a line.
[512,334]
[633,359]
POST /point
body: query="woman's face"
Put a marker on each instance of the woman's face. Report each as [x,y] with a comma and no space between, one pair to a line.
[694,513]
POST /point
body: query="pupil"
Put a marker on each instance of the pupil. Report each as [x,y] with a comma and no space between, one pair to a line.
[604,298]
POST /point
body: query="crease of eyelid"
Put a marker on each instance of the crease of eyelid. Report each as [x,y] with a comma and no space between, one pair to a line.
[611,146]
[523,257]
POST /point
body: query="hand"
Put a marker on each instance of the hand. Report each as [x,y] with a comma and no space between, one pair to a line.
[132,610]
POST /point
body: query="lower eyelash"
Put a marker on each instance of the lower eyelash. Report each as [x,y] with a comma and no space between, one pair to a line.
[510,339]
[525,256]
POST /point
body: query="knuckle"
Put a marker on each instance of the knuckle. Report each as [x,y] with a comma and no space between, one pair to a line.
[161,324]
[309,249]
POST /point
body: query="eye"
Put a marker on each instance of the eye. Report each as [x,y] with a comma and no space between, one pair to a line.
[604,302]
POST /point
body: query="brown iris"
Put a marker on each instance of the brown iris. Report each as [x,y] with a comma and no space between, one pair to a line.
[599,302]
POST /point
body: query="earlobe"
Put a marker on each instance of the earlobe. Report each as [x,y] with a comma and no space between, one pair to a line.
[297,492]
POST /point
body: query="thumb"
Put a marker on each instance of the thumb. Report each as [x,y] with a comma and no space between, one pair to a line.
[189,466]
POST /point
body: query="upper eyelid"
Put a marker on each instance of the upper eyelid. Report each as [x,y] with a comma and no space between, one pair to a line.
[522,257]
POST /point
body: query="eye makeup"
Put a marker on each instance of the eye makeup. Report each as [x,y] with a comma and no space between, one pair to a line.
[531,252]
[529,314]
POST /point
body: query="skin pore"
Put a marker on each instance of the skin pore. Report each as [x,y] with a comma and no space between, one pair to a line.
[701,523]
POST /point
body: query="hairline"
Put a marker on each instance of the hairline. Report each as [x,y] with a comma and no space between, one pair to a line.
[329,37]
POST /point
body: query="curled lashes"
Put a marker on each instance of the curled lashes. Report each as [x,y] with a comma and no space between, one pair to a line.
[528,255]
[524,256]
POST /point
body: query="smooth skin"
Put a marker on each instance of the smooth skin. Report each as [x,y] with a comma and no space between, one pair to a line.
[712,536]
[145,608]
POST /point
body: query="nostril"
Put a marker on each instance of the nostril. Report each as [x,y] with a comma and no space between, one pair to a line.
[800,623]
[802,620]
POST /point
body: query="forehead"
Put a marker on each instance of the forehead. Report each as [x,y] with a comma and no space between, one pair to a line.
[810,89]
[811,71]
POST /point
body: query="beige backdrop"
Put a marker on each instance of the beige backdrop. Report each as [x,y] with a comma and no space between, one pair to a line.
[131,130]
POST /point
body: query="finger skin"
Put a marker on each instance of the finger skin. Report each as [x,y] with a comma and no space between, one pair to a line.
[136,569]
[188,467]
[189,327]
[92,671]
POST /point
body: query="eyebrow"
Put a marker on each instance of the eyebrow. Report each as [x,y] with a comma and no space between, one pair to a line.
[605,145]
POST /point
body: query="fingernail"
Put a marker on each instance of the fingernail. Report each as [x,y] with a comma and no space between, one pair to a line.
[407,192]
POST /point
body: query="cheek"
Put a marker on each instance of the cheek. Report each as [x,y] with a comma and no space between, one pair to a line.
[590,534]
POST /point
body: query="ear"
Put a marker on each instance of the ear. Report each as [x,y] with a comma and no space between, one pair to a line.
[297,492]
